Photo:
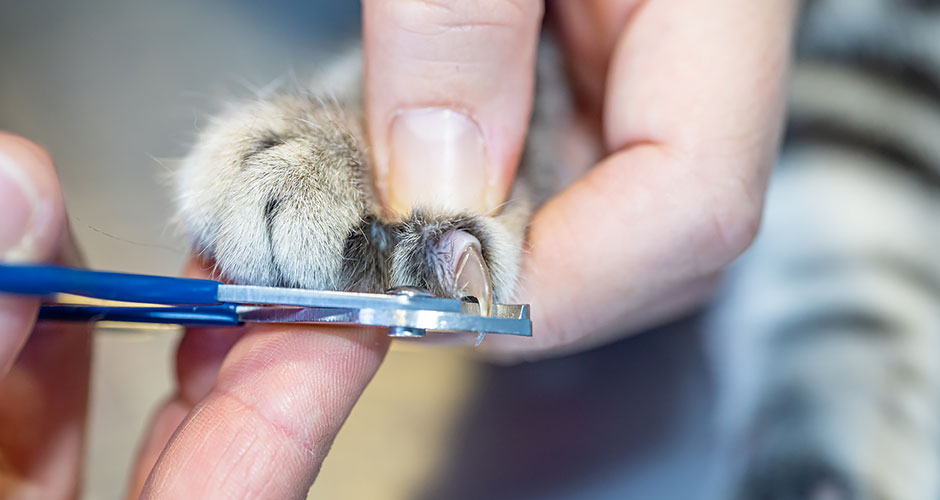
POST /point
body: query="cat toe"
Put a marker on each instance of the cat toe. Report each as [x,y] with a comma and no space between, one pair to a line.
[455,256]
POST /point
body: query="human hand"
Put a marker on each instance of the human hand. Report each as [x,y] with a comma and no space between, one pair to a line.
[43,368]
[255,411]
[686,98]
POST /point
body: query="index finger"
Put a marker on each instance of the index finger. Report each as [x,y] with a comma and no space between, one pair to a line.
[267,421]
[265,427]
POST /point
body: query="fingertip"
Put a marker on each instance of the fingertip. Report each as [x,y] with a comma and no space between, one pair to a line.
[34,211]
[38,152]
[199,267]
[449,91]
[33,230]
[439,148]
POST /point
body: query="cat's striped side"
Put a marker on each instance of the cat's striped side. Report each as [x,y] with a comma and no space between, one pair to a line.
[826,340]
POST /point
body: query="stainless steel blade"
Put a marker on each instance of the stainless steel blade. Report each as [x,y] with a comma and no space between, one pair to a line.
[507,319]
[240,294]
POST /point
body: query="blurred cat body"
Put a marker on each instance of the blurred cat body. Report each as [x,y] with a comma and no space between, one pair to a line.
[826,339]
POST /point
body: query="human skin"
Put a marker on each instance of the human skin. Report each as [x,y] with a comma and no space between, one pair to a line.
[43,369]
[685,97]
[251,403]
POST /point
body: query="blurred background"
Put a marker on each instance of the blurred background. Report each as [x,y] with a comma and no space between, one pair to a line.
[116,90]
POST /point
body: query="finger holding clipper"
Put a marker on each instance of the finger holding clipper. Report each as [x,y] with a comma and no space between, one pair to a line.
[32,226]
[449,90]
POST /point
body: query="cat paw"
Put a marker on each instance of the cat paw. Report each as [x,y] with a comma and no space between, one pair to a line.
[278,193]
[272,190]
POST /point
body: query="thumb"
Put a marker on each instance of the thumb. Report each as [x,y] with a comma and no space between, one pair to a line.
[448,90]
[32,228]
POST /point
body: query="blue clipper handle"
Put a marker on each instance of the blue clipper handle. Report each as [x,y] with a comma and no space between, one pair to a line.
[217,315]
[48,280]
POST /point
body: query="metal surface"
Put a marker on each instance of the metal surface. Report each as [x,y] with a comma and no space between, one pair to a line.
[407,331]
[406,312]
[509,319]
[263,295]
